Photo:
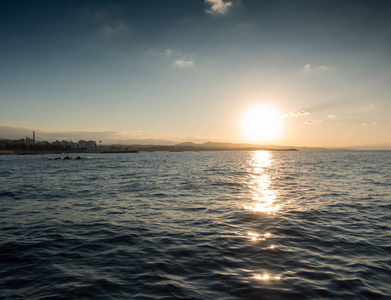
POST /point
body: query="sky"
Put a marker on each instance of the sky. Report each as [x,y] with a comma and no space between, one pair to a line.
[190,70]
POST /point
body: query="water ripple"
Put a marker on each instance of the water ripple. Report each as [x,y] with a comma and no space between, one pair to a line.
[202,225]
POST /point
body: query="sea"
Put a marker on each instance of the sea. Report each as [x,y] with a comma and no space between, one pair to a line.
[196,225]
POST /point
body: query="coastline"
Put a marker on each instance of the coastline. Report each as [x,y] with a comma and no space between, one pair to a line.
[148,148]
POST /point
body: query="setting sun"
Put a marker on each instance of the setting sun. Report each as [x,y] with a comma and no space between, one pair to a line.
[261,124]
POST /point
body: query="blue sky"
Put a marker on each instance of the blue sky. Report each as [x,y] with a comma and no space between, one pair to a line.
[189,70]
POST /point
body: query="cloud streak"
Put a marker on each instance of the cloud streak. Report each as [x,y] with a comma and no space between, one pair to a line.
[310,69]
[312,122]
[109,30]
[369,107]
[183,63]
[297,114]
[370,124]
[322,68]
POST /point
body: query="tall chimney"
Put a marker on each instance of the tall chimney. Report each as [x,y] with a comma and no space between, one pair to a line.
[33,137]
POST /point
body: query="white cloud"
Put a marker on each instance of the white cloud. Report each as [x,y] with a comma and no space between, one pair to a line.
[297,113]
[307,68]
[332,116]
[177,58]
[310,122]
[183,63]
[218,7]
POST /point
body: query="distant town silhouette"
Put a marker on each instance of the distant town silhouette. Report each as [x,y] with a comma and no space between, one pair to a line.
[30,145]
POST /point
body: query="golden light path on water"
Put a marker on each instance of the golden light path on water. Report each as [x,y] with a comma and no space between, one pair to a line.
[263,198]
[260,182]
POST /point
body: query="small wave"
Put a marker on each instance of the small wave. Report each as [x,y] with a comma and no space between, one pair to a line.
[5,194]
[5,173]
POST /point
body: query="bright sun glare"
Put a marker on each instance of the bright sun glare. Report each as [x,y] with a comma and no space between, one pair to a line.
[261,123]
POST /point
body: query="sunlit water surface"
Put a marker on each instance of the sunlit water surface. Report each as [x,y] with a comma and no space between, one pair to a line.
[196,225]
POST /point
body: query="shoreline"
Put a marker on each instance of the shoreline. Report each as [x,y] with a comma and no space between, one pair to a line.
[142,149]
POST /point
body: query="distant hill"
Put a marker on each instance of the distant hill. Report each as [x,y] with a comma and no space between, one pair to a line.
[228,146]
[187,144]
[209,146]
[386,146]
[148,142]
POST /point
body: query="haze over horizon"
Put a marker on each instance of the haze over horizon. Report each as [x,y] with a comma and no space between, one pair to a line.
[190,70]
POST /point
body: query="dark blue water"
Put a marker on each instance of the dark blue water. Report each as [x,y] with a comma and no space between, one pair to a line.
[196,225]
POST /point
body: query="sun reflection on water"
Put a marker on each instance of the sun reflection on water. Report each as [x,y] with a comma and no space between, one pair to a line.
[264,198]
[266,277]
[257,237]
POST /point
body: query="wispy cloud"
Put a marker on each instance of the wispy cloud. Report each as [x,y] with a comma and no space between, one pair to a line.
[105,12]
[370,124]
[332,116]
[115,28]
[177,58]
[308,68]
[369,107]
[107,20]
[311,122]
[322,68]
[168,52]
[297,113]
[183,63]
[218,7]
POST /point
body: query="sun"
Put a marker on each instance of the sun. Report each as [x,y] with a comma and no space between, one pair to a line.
[261,123]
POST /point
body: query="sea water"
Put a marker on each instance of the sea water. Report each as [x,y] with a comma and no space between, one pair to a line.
[196,225]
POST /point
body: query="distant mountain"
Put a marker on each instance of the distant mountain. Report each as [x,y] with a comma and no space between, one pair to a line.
[227,146]
[385,146]
[187,144]
[147,142]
